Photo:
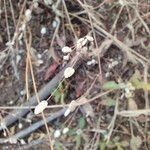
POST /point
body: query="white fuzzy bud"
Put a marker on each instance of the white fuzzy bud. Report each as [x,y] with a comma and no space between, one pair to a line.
[69,72]
[66,49]
[57,133]
[40,107]
[65,130]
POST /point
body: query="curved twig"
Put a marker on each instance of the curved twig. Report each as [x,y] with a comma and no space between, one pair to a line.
[33,127]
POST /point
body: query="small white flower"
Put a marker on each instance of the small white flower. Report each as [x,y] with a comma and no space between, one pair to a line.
[40,107]
[43,30]
[89,38]
[69,72]
[65,130]
[66,49]
[57,133]
[28,14]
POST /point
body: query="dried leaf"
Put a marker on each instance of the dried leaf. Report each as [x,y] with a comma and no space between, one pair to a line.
[52,53]
[79,89]
[60,40]
[111,85]
[50,71]
[87,108]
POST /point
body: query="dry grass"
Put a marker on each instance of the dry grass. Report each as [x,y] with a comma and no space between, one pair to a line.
[114,25]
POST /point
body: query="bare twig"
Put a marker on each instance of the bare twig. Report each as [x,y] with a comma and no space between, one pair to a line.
[34,126]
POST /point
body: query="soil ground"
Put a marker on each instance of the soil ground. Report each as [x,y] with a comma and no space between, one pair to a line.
[115,64]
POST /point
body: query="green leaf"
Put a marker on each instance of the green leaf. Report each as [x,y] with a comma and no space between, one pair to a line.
[62,99]
[57,96]
[111,85]
[81,123]
[72,132]
[137,83]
